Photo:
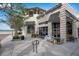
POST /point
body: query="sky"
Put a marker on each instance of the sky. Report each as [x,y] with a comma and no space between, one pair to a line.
[45,6]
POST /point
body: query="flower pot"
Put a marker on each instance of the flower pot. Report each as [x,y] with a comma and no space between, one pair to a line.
[55,41]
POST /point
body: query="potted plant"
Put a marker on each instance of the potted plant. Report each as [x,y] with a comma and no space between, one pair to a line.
[56,41]
[33,35]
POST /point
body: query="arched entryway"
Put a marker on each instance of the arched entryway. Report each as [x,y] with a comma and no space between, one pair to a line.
[55,24]
[30,27]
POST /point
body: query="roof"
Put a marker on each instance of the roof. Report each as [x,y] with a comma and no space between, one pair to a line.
[54,17]
[57,6]
[52,9]
[73,16]
[36,8]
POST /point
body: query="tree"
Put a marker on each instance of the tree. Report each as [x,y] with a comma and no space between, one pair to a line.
[15,14]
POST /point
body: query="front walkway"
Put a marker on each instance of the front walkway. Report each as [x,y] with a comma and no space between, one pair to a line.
[45,48]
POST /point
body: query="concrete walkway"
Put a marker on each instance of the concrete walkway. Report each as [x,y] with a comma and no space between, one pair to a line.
[45,48]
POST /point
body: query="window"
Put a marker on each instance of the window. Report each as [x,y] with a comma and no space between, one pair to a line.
[43,31]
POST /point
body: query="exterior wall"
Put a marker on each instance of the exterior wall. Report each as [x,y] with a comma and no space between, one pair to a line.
[24,30]
[62,17]
[29,20]
[62,21]
[77,26]
[49,28]
[46,18]
[43,25]
[75,29]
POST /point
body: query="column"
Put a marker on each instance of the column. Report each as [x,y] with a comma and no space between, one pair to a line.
[74,30]
[36,27]
[49,28]
[24,31]
[62,24]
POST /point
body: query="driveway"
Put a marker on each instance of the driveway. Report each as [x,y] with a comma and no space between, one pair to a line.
[45,48]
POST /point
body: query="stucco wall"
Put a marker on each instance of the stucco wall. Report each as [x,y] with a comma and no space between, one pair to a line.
[34,18]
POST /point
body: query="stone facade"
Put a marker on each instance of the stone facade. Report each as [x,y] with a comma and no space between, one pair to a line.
[62,20]
[62,24]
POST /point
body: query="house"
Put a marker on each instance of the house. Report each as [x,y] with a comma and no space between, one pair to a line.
[31,23]
[59,22]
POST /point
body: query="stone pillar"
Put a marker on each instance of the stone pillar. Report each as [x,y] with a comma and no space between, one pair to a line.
[62,24]
[49,28]
[74,30]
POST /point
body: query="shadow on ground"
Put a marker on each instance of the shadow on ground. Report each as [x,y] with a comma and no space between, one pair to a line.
[1,50]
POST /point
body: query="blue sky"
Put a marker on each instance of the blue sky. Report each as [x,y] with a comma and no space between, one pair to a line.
[45,6]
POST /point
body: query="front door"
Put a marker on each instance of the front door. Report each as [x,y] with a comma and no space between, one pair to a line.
[30,28]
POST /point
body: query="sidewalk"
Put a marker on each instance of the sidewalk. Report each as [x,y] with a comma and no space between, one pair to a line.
[14,48]
[47,49]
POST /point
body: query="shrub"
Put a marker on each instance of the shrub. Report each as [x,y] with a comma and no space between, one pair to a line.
[15,37]
[34,35]
[56,40]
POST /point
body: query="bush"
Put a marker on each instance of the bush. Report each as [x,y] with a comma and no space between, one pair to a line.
[34,35]
[19,33]
[15,37]
[56,41]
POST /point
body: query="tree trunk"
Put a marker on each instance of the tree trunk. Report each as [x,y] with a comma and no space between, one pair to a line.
[16,32]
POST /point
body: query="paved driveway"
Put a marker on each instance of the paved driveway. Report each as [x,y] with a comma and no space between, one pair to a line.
[45,48]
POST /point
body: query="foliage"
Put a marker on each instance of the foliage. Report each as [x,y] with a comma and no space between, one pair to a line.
[56,41]
[15,14]
[34,35]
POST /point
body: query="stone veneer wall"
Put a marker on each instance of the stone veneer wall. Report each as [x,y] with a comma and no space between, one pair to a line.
[62,24]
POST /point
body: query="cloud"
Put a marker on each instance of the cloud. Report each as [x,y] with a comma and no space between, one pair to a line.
[77,15]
